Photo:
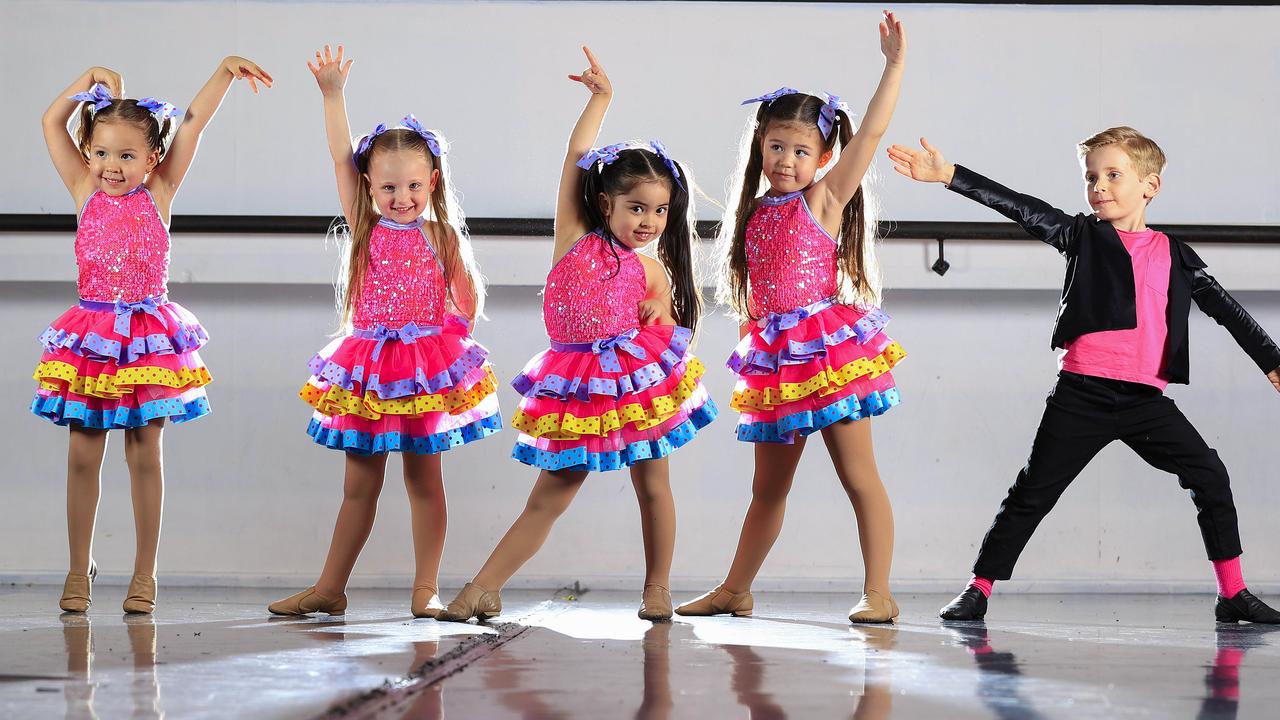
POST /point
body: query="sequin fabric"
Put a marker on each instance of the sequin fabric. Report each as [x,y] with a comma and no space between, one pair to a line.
[593,292]
[404,282]
[791,260]
[122,248]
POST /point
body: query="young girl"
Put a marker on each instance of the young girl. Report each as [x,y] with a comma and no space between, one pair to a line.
[618,388]
[406,376]
[813,357]
[124,357]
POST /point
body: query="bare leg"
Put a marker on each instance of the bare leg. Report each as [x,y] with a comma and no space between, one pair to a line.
[425,483]
[849,444]
[84,486]
[551,495]
[775,469]
[652,481]
[361,488]
[142,452]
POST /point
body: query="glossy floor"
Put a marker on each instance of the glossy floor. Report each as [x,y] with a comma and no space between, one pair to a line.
[216,653]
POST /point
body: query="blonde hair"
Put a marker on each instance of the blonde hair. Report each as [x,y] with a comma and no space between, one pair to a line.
[1146,155]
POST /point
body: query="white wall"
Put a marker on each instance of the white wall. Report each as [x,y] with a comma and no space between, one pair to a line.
[1008,90]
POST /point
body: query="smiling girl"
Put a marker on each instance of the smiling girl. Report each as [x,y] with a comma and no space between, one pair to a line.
[125,357]
[813,357]
[618,388]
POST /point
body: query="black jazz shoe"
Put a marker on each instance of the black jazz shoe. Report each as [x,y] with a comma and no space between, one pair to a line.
[1244,607]
[972,605]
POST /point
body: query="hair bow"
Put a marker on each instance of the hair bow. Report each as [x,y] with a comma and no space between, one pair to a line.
[604,155]
[433,142]
[770,97]
[159,108]
[827,116]
[99,95]
[367,140]
[661,151]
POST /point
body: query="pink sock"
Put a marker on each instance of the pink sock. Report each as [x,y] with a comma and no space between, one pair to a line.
[1230,578]
[985,584]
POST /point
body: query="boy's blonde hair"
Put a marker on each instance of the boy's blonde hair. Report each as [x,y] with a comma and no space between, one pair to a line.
[1146,155]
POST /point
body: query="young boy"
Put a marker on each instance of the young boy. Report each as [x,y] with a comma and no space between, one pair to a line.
[1123,325]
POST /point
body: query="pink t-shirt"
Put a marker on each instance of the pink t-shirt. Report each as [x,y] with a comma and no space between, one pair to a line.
[1135,355]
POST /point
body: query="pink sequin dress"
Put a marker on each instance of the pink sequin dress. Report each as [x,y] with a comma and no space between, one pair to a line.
[608,393]
[809,361]
[124,355]
[409,377]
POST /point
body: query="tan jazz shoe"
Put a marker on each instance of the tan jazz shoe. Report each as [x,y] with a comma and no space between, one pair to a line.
[309,601]
[874,608]
[719,602]
[426,602]
[655,603]
[473,602]
[77,591]
[142,595]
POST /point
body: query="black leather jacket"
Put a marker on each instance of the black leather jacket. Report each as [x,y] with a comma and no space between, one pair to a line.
[1098,293]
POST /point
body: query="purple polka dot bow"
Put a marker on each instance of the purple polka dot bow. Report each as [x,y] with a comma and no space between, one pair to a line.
[410,122]
[770,97]
[99,95]
[159,108]
[827,116]
[607,349]
[124,313]
[433,142]
[608,154]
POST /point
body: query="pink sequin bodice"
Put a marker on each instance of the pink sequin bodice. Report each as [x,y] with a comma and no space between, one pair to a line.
[791,260]
[122,248]
[404,282]
[585,300]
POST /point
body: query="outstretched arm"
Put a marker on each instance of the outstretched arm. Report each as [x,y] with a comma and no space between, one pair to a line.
[1218,304]
[64,152]
[838,186]
[1043,221]
[571,223]
[167,178]
[331,75]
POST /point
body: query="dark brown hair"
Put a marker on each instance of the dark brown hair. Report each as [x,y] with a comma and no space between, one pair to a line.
[124,110]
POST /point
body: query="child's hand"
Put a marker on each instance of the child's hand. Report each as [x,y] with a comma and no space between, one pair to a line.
[926,166]
[593,77]
[109,78]
[242,68]
[652,312]
[893,39]
[330,71]
[1274,377]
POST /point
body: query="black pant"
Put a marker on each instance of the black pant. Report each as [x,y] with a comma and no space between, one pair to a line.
[1084,414]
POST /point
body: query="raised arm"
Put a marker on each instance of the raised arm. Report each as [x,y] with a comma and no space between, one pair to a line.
[1042,220]
[63,150]
[571,223]
[331,73]
[837,187]
[167,178]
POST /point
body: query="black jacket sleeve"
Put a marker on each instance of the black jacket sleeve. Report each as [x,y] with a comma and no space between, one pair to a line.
[1218,304]
[1045,222]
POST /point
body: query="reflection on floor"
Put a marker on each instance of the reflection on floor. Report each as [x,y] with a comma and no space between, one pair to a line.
[216,653]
